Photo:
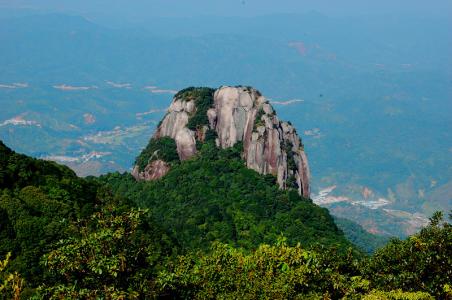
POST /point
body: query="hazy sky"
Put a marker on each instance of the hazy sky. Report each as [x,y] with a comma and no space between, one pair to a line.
[130,9]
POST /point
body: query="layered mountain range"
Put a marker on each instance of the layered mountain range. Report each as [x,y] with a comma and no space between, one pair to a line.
[358,111]
[232,116]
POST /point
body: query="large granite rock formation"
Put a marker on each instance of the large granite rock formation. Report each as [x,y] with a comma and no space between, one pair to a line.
[235,114]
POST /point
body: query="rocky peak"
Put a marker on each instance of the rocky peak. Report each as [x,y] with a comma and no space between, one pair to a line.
[231,114]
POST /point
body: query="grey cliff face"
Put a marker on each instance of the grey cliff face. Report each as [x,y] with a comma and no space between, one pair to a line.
[154,170]
[174,126]
[240,114]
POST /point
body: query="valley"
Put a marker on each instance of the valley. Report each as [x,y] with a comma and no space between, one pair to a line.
[385,114]
[156,149]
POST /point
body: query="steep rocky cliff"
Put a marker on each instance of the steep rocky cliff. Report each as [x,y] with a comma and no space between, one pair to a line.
[230,115]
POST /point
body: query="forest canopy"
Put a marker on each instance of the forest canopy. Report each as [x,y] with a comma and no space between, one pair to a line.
[211,228]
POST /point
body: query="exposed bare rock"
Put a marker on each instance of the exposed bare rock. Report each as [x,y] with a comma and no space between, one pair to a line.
[212,116]
[242,114]
[186,143]
[175,120]
[235,110]
[154,170]
[174,125]
[303,175]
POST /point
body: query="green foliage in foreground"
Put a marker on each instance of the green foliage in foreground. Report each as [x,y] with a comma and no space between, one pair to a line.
[420,266]
[397,295]
[10,284]
[38,199]
[215,197]
[269,272]
[117,262]
[71,238]
[111,256]
[421,262]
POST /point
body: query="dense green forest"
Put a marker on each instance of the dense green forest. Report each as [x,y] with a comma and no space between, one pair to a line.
[356,234]
[215,197]
[209,229]
[38,202]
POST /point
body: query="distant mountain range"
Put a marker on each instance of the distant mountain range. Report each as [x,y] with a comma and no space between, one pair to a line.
[371,98]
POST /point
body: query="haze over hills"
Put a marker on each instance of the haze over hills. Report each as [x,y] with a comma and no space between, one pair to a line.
[372,102]
[186,234]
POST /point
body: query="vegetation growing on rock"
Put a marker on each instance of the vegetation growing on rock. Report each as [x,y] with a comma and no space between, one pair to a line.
[231,115]
[203,98]
[163,148]
[258,120]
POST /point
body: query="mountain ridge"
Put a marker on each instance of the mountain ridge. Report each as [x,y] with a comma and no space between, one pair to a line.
[228,115]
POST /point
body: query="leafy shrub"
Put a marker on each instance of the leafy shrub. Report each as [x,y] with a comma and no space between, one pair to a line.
[109,257]
[291,165]
[258,120]
[397,295]
[423,262]
[269,272]
[203,98]
[11,284]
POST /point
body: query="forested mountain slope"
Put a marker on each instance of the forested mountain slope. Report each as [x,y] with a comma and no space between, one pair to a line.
[214,197]
[38,200]
[64,237]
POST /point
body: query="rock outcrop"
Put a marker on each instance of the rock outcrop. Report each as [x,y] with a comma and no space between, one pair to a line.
[236,114]
[153,170]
